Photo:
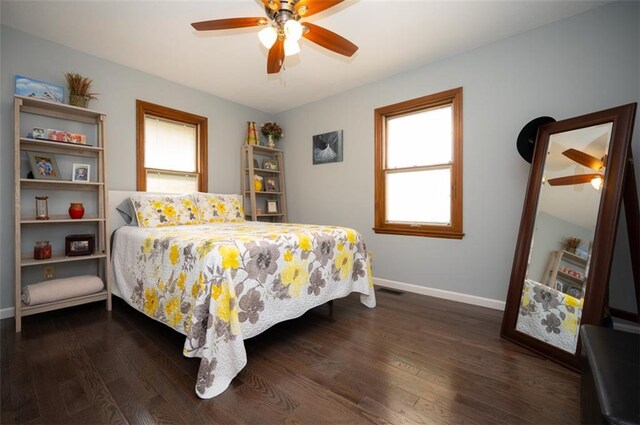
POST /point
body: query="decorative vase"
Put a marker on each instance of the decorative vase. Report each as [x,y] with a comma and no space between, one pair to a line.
[76,100]
[257,183]
[270,143]
[76,210]
[252,134]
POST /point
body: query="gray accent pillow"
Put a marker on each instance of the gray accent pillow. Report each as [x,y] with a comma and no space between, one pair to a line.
[128,213]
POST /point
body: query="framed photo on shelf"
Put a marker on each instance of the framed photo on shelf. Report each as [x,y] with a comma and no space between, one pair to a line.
[75,245]
[80,173]
[39,89]
[270,164]
[272,206]
[44,166]
[270,185]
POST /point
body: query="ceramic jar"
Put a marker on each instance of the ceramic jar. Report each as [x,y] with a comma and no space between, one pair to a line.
[76,210]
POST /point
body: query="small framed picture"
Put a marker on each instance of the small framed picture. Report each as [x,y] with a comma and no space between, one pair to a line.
[270,164]
[270,185]
[256,164]
[39,89]
[80,173]
[272,206]
[559,286]
[44,166]
[75,245]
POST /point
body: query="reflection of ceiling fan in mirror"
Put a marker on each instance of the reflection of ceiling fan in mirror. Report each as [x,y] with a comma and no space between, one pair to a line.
[283,29]
[586,160]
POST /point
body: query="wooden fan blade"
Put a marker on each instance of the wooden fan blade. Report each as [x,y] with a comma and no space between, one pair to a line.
[226,24]
[584,159]
[276,57]
[311,7]
[272,4]
[579,179]
[329,40]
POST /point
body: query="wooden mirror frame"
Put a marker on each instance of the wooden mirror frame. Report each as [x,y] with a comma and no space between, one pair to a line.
[604,235]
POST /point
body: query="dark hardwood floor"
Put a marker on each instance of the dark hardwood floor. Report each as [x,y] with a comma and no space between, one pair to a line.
[413,359]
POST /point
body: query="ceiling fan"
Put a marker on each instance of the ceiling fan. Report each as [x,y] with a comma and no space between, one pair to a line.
[586,160]
[283,29]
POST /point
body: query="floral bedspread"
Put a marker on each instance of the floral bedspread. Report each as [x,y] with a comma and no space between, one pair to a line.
[221,283]
[550,315]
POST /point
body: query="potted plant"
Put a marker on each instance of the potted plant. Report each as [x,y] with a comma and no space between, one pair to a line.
[79,89]
[273,131]
[571,243]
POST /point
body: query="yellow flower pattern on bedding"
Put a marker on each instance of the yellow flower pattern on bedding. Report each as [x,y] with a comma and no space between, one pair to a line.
[218,208]
[164,210]
[549,315]
[222,283]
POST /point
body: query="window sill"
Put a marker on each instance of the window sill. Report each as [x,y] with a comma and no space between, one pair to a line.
[431,233]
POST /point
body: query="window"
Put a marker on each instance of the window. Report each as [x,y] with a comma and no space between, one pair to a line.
[171,150]
[418,166]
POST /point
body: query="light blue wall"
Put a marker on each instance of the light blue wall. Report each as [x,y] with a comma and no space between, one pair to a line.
[582,64]
[119,87]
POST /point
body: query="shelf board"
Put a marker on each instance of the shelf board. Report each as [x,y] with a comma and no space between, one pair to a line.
[263,149]
[58,184]
[264,170]
[58,147]
[264,192]
[267,215]
[27,310]
[569,278]
[574,259]
[58,110]
[62,219]
[27,262]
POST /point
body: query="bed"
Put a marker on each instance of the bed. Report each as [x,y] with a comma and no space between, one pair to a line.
[228,280]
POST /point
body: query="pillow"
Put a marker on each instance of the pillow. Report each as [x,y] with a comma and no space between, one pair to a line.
[216,208]
[158,210]
[128,213]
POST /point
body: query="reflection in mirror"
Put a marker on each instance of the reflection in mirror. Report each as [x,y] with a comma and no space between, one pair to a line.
[565,222]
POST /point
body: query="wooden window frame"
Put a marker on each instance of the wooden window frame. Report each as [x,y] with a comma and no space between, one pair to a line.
[201,123]
[451,97]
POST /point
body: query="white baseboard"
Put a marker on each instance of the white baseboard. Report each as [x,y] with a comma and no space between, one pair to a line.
[440,293]
[5,313]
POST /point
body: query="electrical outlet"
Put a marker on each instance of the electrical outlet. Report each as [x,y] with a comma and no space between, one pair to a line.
[49,272]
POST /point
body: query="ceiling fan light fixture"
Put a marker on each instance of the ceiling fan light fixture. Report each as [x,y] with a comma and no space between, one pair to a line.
[293,30]
[268,36]
[291,47]
[596,182]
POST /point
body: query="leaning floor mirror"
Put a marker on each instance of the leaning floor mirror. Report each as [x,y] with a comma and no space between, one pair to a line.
[565,245]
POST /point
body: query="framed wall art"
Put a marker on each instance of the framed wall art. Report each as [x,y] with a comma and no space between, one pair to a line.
[327,147]
[39,89]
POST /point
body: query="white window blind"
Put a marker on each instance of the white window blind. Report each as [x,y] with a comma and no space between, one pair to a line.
[169,145]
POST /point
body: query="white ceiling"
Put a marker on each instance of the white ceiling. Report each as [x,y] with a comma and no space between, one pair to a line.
[393,36]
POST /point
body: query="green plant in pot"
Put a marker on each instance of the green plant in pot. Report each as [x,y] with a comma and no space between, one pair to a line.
[79,89]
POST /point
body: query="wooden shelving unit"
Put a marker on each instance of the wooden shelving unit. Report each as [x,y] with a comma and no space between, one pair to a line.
[254,199]
[554,274]
[59,190]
